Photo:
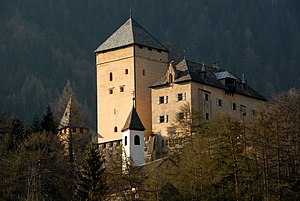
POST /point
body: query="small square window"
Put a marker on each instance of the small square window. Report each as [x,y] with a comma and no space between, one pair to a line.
[180,97]
[149,48]
[158,50]
[144,73]
[180,116]
[219,102]
[126,71]
[115,129]
[121,88]
[163,119]
[111,91]
[162,99]
[253,112]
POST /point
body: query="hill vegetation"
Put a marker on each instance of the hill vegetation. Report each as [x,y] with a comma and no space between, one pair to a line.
[45,43]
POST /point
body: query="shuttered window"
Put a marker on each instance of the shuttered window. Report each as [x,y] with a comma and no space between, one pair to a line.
[180,96]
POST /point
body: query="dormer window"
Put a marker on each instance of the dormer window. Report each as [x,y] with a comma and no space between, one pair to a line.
[230,82]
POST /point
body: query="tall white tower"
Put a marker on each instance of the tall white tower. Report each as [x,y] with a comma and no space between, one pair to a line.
[133,140]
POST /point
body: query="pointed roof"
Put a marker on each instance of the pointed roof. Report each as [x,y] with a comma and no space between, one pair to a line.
[130,33]
[71,116]
[133,122]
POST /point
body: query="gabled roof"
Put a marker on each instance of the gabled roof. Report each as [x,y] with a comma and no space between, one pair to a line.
[130,33]
[191,71]
[224,74]
[133,122]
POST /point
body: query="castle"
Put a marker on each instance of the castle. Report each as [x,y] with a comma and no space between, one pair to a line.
[137,86]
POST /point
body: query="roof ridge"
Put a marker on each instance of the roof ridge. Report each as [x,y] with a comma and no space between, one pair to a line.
[149,33]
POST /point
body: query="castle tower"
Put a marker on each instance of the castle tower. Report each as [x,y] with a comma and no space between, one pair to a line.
[72,131]
[127,63]
[133,140]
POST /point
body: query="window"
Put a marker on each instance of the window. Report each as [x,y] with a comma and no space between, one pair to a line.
[125,141]
[181,96]
[115,129]
[111,91]
[115,111]
[162,99]
[126,71]
[206,97]
[219,102]
[206,116]
[144,73]
[170,78]
[243,110]
[233,106]
[137,140]
[253,112]
[110,76]
[163,119]
[121,88]
[182,115]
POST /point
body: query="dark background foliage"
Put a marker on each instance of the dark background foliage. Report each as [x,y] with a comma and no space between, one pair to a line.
[45,43]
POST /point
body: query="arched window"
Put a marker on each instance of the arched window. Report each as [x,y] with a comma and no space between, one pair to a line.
[137,140]
[116,129]
[170,78]
[125,141]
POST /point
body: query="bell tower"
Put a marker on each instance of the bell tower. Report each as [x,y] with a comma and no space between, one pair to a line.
[127,62]
[133,140]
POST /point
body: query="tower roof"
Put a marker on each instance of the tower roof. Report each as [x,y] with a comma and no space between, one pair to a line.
[130,33]
[133,122]
[72,116]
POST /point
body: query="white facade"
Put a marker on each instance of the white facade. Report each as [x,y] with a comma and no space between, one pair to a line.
[133,147]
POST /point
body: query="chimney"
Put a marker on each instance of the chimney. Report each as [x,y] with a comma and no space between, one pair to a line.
[215,65]
[244,82]
[203,71]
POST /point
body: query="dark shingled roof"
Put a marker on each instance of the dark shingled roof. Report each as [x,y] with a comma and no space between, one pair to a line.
[133,122]
[130,33]
[192,71]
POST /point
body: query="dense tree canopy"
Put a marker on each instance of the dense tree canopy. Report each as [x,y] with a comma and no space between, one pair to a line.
[43,44]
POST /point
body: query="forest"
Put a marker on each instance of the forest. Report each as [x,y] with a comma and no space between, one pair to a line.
[226,158]
[45,43]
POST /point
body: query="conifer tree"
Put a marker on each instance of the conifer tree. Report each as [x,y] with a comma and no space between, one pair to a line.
[36,124]
[91,182]
[48,122]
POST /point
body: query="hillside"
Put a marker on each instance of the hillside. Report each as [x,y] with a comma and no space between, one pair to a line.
[45,43]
